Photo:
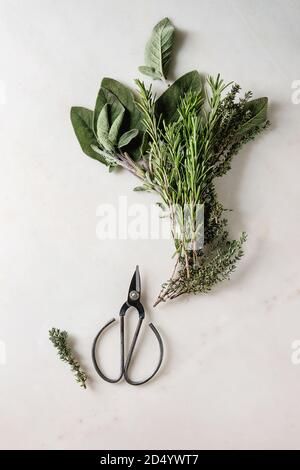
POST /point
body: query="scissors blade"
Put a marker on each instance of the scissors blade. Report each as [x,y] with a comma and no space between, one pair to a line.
[135,284]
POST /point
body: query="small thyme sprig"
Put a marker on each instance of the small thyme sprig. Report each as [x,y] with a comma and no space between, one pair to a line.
[59,340]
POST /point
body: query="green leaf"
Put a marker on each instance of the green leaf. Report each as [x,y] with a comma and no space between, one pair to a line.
[100,102]
[140,188]
[120,91]
[127,137]
[103,128]
[167,104]
[115,127]
[106,154]
[97,149]
[132,118]
[110,89]
[150,72]
[103,122]
[158,51]
[258,109]
[115,106]
[82,121]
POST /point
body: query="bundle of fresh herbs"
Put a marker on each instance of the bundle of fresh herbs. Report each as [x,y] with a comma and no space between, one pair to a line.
[177,145]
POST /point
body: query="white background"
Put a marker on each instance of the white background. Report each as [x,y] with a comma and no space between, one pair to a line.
[228,380]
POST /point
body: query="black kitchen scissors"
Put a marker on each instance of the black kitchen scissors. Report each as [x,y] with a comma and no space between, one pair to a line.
[133,300]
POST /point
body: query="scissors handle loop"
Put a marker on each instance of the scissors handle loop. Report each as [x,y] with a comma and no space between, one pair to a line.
[94,359]
[125,365]
[130,354]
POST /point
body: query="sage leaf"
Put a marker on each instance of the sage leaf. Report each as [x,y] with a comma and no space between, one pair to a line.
[103,122]
[82,122]
[100,102]
[110,89]
[127,137]
[106,154]
[168,103]
[150,72]
[158,51]
[121,92]
[115,106]
[258,109]
[103,128]
[97,149]
[132,117]
[115,127]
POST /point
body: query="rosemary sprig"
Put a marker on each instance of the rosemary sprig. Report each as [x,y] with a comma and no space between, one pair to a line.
[59,340]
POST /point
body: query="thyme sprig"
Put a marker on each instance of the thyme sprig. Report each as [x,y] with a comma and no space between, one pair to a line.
[59,340]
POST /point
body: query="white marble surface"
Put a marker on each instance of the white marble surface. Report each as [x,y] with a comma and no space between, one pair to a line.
[228,380]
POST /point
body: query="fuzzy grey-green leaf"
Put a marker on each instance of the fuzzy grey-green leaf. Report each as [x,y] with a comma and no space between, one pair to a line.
[115,127]
[124,94]
[82,121]
[110,89]
[103,122]
[107,97]
[168,103]
[127,137]
[132,117]
[158,51]
[150,72]
[103,128]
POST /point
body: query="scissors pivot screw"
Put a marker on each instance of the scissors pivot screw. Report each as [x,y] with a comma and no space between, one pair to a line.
[134,295]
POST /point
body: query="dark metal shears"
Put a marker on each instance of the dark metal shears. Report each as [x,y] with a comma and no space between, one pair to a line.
[133,300]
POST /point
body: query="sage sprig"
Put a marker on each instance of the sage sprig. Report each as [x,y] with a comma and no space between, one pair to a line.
[176,145]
